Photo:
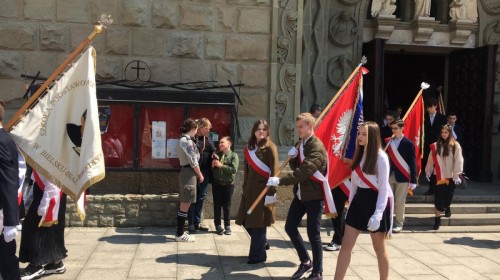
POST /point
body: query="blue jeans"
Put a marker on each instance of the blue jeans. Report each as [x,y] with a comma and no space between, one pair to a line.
[194,213]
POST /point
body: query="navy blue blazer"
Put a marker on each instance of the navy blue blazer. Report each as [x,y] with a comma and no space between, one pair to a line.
[406,149]
[431,132]
[459,131]
[9,179]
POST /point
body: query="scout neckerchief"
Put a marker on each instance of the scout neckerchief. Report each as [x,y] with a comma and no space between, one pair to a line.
[49,218]
[319,178]
[256,164]
[397,159]
[438,165]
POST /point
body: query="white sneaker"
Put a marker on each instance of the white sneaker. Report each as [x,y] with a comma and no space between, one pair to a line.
[397,229]
[185,238]
[332,247]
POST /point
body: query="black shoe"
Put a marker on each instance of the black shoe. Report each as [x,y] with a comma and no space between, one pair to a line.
[447,212]
[255,262]
[227,230]
[200,228]
[437,223]
[32,272]
[53,268]
[303,268]
[219,230]
[192,229]
[267,246]
[315,276]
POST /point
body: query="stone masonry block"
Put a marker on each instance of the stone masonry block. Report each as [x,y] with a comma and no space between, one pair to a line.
[11,64]
[106,220]
[39,61]
[224,72]
[226,19]
[132,210]
[165,70]
[250,2]
[77,33]
[112,198]
[214,46]
[53,37]
[197,17]
[73,11]
[254,21]
[10,8]
[91,222]
[109,68]
[254,75]
[148,42]
[254,104]
[117,40]
[99,7]
[95,208]
[135,12]
[195,70]
[24,35]
[248,48]
[114,209]
[40,10]
[182,44]
[165,14]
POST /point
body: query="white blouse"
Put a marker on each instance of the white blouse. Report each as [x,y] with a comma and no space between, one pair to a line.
[380,180]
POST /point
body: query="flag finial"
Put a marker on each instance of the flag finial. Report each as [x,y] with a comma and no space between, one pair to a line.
[424,85]
[363,60]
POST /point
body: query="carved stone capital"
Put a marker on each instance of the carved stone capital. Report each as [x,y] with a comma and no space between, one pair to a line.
[384,26]
[460,30]
[423,27]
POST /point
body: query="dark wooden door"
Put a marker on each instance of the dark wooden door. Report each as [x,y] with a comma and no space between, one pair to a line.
[373,102]
[470,95]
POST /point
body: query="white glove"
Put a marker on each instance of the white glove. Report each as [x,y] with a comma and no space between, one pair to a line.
[270,200]
[45,202]
[273,181]
[9,233]
[293,152]
[457,181]
[428,177]
[373,223]
[412,186]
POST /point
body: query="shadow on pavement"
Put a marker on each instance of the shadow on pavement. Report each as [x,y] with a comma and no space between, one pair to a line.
[476,243]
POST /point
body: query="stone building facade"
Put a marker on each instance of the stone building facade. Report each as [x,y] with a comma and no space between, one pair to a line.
[289,54]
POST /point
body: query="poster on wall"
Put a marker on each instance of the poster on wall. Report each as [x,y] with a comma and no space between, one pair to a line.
[172,148]
[159,139]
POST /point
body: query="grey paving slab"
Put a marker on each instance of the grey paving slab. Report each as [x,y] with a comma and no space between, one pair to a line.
[152,253]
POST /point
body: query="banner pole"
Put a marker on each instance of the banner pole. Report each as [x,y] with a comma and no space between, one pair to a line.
[105,20]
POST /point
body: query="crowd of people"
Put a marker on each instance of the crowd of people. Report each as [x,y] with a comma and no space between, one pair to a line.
[380,180]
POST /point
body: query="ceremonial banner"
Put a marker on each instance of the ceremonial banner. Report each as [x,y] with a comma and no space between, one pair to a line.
[60,135]
[414,129]
[338,130]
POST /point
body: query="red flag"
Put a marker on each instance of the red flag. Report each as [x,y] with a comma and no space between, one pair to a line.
[336,129]
[414,129]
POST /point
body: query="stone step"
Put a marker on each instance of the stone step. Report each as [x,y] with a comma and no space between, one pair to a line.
[456,208]
[456,199]
[454,220]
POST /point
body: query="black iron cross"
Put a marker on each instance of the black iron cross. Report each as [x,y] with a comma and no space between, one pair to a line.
[138,69]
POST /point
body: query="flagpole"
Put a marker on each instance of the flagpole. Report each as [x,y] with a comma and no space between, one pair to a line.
[337,95]
[103,23]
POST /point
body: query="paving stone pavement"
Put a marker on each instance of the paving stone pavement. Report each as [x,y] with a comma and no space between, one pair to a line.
[152,253]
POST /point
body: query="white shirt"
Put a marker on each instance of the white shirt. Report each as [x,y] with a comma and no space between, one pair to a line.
[431,118]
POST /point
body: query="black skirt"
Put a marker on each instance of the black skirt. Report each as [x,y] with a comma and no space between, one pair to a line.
[42,245]
[362,208]
[443,195]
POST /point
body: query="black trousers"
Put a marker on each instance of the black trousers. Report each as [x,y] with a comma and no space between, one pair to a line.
[258,242]
[222,199]
[297,210]
[339,198]
[9,264]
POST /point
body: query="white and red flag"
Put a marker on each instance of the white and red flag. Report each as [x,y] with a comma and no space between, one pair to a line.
[338,130]
[59,135]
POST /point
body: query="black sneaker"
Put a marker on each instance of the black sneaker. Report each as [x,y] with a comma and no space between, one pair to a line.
[315,276]
[447,212]
[303,268]
[31,272]
[192,229]
[54,268]
[200,228]
[228,230]
[219,230]
[268,246]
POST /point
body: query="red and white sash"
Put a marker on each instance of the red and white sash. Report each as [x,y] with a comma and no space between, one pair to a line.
[438,166]
[50,217]
[373,185]
[397,159]
[323,182]
[256,164]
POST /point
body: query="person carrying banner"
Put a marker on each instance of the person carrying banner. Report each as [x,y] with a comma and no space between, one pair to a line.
[446,163]
[225,166]
[403,175]
[189,176]
[370,200]
[42,238]
[9,264]
[308,163]
[261,161]
[206,149]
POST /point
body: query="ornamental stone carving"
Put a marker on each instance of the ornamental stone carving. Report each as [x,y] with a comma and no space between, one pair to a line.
[491,6]
[383,8]
[492,33]
[349,2]
[343,29]
[285,49]
[289,22]
[338,70]
[284,108]
[463,10]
